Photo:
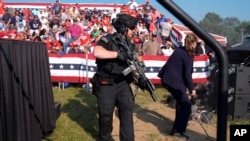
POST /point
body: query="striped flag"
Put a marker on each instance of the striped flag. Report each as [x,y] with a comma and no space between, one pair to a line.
[79,68]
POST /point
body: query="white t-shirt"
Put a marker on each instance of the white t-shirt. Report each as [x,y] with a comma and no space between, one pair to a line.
[167,51]
[132,5]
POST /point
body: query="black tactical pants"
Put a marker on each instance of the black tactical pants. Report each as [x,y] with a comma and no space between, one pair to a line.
[110,96]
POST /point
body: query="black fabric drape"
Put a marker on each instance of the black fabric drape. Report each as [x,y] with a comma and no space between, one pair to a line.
[27,111]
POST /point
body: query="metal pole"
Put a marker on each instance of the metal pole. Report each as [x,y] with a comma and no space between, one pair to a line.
[222,60]
[87,70]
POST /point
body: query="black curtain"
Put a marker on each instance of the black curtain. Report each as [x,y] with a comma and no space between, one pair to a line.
[27,111]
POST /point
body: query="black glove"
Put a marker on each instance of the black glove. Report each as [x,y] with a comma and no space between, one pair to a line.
[124,56]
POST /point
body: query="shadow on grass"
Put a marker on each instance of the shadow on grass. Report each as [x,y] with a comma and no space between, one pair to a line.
[83,110]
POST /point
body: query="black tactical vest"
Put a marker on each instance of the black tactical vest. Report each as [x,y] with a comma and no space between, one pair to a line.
[112,67]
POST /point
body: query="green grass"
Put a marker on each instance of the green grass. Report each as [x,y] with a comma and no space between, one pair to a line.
[79,119]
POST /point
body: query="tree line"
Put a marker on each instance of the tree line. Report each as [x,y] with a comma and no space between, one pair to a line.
[230,27]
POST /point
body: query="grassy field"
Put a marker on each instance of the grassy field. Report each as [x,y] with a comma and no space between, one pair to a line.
[79,119]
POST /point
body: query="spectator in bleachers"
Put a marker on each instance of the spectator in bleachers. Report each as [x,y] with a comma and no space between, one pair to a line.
[50,16]
[75,32]
[74,12]
[95,32]
[75,49]
[159,21]
[94,11]
[11,33]
[26,13]
[40,14]
[132,4]
[1,25]
[167,48]
[124,9]
[66,23]
[134,13]
[57,8]
[143,38]
[2,5]
[96,22]
[93,19]
[34,12]
[82,16]
[46,12]
[105,19]
[78,6]
[154,14]
[35,26]
[113,14]
[142,28]
[6,19]
[20,27]
[54,23]
[15,19]
[45,23]
[85,39]
[57,47]
[147,8]
[140,15]
[21,13]
[151,47]
[166,30]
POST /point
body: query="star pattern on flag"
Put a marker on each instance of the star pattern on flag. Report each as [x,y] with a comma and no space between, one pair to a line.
[71,70]
[151,69]
[61,66]
[92,68]
[81,67]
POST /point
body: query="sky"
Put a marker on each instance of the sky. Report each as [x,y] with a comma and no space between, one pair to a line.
[197,9]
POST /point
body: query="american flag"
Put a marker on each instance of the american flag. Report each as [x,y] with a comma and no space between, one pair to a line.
[79,68]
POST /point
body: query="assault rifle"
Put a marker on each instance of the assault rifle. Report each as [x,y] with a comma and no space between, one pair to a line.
[137,67]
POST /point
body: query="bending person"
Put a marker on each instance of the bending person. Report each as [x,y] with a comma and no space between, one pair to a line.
[176,77]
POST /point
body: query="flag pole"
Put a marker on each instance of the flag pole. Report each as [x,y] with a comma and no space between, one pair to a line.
[87,70]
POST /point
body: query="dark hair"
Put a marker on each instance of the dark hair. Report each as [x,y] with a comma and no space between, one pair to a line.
[154,34]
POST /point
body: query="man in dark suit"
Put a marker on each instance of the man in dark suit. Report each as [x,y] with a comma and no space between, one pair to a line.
[201,49]
[176,77]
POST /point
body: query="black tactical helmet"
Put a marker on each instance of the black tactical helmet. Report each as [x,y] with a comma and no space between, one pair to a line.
[123,21]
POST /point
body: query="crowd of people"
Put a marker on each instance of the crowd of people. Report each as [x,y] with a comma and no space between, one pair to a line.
[74,29]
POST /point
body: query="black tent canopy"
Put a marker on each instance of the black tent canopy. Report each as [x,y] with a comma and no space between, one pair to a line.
[27,109]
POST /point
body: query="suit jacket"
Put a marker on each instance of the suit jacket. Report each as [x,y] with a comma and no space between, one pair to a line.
[199,50]
[177,72]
